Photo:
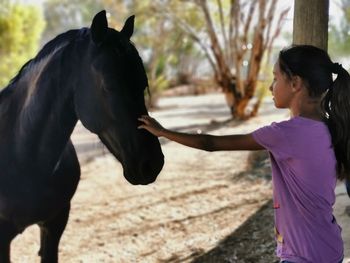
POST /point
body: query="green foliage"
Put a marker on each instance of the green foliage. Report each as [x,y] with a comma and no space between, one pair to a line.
[339,35]
[20,31]
[63,15]
[161,42]
[160,83]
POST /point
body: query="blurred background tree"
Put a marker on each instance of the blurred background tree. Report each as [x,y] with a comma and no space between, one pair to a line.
[182,42]
[339,34]
[170,57]
[195,44]
[62,15]
[21,26]
[231,35]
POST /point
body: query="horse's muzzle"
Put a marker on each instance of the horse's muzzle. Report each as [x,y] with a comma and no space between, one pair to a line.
[146,172]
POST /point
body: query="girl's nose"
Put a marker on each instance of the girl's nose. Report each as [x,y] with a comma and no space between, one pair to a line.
[270,88]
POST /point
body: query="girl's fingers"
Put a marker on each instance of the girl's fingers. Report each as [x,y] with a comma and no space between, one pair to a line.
[146,119]
[143,119]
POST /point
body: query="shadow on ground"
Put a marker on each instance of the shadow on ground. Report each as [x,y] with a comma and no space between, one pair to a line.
[251,242]
[254,240]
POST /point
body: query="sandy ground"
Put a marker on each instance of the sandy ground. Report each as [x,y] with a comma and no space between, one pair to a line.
[204,207]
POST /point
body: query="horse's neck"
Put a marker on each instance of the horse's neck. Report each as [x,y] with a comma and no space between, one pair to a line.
[45,117]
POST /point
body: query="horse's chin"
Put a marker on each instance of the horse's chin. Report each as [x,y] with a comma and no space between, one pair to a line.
[136,171]
[145,174]
[136,181]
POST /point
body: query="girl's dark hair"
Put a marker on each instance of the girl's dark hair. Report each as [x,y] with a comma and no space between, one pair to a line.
[315,68]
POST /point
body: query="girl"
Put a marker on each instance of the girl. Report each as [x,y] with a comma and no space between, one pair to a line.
[308,152]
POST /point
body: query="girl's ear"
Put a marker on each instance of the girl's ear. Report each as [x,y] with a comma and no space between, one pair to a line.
[297,83]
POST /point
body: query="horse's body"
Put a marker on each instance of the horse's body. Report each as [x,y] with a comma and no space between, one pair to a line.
[94,75]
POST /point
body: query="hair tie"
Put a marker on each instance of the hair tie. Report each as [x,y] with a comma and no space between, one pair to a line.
[336,68]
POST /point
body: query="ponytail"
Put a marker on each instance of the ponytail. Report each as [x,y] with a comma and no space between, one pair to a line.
[336,107]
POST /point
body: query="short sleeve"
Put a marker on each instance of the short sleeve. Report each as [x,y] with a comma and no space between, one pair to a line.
[273,138]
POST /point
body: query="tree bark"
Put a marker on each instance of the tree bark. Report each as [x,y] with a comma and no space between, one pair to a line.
[310,24]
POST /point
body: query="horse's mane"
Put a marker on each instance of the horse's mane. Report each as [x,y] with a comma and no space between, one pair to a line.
[63,40]
[47,49]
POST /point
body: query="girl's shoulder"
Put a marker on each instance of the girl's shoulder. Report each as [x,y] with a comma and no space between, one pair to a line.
[299,129]
[300,122]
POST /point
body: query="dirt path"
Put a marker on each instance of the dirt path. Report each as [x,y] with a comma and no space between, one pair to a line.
[205,207]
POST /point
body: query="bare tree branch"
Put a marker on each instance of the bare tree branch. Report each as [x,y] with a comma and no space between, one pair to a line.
[223,31]
[237,55]
[230,32]
[217,50]
[249,20]
[279,25]
[271,11]
[194,36]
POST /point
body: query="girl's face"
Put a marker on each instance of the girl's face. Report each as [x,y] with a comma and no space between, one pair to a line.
[281,88]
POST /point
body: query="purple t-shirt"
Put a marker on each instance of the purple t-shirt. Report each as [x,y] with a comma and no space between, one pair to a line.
[304,178]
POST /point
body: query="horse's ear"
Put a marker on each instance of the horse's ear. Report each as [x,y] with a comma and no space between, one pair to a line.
[99,27]
[128,28]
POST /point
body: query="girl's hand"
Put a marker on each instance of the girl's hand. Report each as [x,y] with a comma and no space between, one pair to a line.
[151,125]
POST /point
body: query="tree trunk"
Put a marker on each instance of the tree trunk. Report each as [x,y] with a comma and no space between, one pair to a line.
[238,106]
[310,24]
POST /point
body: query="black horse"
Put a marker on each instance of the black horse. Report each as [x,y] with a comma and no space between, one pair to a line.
[93,75]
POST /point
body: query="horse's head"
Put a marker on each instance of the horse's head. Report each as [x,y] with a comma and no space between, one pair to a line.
[110,97]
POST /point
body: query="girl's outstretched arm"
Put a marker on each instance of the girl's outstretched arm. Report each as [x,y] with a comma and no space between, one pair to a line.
[201,141]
